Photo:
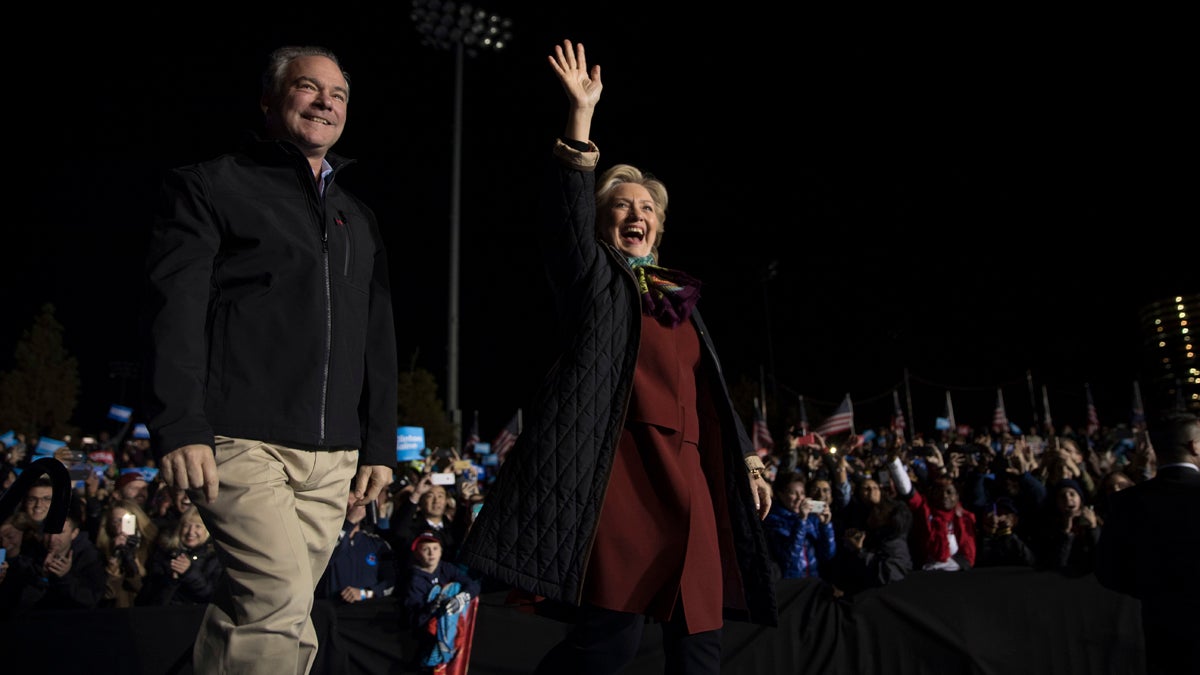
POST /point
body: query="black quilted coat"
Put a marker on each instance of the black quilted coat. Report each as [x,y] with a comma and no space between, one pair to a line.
[536,528]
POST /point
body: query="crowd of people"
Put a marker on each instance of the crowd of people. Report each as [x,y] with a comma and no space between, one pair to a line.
[987,498]
[852,515]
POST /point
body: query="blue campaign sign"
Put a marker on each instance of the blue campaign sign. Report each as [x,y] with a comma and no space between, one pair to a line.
[120,413]
[482,448]
[48,446]
[140,431]
[9,438]
[410,443]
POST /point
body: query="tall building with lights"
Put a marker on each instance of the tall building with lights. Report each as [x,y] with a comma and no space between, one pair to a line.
[1171,339]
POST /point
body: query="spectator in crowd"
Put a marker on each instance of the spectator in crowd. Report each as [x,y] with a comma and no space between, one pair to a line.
[1151,544]
[433,588]
[184,565]
[998,544]
[1063,461]
[8,476]
[38,498]
[385,506]
[1142,462]
[170,503]
[832,487]
[1068,531]
[93,498]
[943,530]
[14,531]
[1110,483]
[813,460]
[1014,478]
[800,538]
[134,487]
[127,536]
[867,493]
[65,571]
[874,552]
[363,566]
[422,507]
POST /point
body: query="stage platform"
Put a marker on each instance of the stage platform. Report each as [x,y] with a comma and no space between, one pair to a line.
[995,621]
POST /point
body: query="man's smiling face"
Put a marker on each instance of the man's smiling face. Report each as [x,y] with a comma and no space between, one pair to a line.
[310,111]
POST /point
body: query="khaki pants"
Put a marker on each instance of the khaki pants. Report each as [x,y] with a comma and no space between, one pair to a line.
[276,520]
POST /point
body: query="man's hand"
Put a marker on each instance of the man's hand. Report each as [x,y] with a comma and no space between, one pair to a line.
[191,467]
[58,564]
[371,479]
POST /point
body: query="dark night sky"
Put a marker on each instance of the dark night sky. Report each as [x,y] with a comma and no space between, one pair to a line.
[965,197]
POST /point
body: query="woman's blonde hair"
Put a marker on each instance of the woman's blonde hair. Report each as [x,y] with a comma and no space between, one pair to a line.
[172,537]
[627,173]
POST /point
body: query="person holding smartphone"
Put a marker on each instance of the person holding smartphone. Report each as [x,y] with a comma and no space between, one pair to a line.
[425,507]
[126,539]
[799,530]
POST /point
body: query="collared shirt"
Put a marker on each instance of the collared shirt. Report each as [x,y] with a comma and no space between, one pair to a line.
[326,169]
[1186,465]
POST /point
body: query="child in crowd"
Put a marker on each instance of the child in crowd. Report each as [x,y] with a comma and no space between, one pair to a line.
[438,594]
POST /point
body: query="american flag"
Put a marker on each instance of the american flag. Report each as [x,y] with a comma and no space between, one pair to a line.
[762,433]
[999,417]
[898,422]
[1138,419]
[472,434]
[841,420]
[1093,420]
[507,436]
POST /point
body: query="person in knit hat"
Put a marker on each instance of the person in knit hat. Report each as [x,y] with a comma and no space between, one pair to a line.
[1066,538]
[997,543]
[132,486]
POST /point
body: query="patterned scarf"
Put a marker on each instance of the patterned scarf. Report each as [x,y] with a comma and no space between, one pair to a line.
[667,295]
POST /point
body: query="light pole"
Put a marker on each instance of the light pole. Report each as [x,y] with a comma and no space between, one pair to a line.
[466,30]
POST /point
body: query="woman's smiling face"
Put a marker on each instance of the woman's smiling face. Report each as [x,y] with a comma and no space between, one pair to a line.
[630,220]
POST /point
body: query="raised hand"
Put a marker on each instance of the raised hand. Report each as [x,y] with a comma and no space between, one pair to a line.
[581,85]
[570,64]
